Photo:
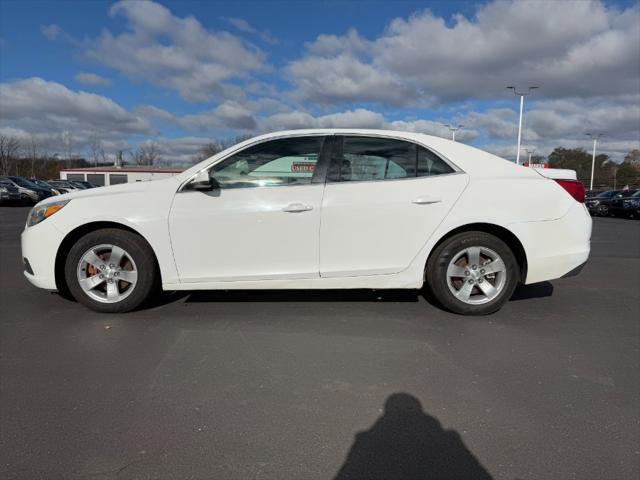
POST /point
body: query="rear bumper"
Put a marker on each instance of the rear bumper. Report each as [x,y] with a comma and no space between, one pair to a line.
[555,248]
[575,272]
[39,248]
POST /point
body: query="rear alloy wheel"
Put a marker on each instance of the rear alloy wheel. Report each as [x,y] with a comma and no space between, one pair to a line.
[111,270]
[472,273]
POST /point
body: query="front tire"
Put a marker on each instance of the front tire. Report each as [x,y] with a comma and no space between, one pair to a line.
[111,270]
[472,273]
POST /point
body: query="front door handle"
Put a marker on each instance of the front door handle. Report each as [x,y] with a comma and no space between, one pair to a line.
[426,200]
[297,207]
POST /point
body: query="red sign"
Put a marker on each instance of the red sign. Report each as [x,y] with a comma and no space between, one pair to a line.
[303,167]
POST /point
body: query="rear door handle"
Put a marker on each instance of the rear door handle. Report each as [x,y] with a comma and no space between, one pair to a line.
[426,200]
[297,207]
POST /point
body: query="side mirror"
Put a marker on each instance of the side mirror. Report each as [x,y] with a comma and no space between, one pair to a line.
[202,182]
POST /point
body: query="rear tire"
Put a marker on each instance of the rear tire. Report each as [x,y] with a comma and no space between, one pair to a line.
[111,270]
[472,273]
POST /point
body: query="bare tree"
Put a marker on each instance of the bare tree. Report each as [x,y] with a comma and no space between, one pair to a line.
[147,154]
[67,142]
[97,151]
[120,157]
[32,153]
[209,150]
[9,149]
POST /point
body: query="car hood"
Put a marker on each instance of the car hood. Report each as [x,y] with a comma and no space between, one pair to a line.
[121,189]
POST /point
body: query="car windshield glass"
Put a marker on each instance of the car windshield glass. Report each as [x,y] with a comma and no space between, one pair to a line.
[637,194]
[604,194]
[23,182]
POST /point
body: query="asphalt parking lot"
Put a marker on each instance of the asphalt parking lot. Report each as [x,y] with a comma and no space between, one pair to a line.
[276,385]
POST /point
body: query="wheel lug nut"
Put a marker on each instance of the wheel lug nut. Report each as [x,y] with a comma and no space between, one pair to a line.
[111,265]
[101,276]
[467,272]
[474,267]
[471,281]
[101,267]
[116,274]
[482,271]
[480,281]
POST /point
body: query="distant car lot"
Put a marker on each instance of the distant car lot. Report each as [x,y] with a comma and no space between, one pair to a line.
[277,384]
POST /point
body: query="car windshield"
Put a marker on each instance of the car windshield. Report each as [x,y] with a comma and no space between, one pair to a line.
[636,195]
[606,194]
[23,182]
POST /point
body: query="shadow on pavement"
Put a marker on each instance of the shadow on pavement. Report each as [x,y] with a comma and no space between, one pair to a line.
[522,292]
[406,443]
[535,290]
[304,296]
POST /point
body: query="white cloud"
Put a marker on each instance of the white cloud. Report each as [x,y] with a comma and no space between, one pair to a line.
[344,78]
[242,25]
[564,122]
[47,109]
[87,78]
[569,48]
[51,32]
[176,53]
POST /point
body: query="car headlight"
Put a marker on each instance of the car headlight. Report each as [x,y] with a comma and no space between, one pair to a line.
[595,203]
[42,212]
[634,203]
[3,189]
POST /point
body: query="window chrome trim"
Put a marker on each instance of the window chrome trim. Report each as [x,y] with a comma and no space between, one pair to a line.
[389,180]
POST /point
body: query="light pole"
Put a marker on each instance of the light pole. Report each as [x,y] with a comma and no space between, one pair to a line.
[521,95]
[594,137]
[453,129]
[530,151]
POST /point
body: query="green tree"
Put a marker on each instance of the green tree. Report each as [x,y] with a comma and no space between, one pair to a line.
[628,173]
[579,160]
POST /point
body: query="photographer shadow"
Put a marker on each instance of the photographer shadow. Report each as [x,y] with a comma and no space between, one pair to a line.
[406,443]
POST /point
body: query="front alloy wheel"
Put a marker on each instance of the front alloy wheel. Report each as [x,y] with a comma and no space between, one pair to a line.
[111,270]
[107,273]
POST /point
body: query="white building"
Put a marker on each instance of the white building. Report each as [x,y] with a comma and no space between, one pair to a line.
[114,175]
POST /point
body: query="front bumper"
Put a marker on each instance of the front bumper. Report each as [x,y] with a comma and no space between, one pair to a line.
[40,245]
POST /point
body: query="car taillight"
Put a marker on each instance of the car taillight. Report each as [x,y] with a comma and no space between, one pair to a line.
[573,188]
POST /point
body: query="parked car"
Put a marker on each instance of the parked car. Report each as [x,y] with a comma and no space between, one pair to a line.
[592,193]
[599,205]
[29,192]
[43,184]
[64,184]
[77,184]
[627,206]
[317,209]
[43,192]
[82,184]
[9,193]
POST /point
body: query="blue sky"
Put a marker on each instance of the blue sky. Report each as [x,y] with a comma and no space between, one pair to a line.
[183,73]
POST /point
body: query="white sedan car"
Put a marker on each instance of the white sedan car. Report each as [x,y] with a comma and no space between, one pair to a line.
[322,209]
